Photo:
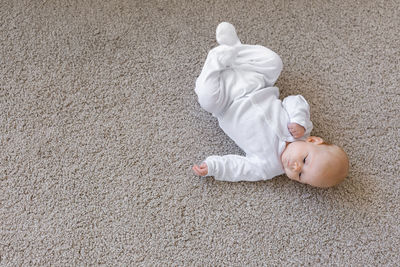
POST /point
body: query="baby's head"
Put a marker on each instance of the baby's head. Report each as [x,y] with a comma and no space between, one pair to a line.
[315,163]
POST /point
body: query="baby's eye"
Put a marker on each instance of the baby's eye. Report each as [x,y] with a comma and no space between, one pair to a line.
[304,160]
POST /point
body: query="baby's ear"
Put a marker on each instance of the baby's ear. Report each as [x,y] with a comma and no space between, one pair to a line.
[315,139]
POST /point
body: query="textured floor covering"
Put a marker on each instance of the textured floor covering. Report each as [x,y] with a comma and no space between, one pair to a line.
[99,127]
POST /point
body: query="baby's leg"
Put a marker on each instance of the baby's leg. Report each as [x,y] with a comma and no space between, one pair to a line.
[256,59]
[213,96]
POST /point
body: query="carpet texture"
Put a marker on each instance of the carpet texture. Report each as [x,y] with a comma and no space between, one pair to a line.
[99,128]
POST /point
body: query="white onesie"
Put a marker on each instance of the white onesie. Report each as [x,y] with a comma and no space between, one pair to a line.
[236,86]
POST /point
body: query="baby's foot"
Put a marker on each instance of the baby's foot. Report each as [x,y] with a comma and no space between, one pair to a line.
[226,34]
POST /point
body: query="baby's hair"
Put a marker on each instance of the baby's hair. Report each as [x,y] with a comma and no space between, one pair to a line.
[341,159]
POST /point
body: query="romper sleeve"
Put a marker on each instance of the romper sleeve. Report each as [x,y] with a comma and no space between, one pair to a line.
[298,111]
[235,168]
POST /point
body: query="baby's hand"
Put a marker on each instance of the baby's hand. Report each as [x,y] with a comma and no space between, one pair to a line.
[201,170]
[296,130]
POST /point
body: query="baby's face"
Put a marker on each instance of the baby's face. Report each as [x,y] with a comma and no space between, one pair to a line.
[314,163]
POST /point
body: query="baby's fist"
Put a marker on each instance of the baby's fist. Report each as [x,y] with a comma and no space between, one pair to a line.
[296,130]
[201,170]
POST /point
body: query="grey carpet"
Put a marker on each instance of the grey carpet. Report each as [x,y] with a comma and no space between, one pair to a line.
[99,128]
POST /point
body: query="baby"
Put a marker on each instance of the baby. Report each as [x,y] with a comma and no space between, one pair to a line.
[236,86]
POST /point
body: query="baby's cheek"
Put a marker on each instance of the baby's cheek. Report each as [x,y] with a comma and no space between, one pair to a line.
[289,174]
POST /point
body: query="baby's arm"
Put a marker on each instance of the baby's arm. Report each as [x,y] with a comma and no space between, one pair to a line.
[298,110]
[233,168]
